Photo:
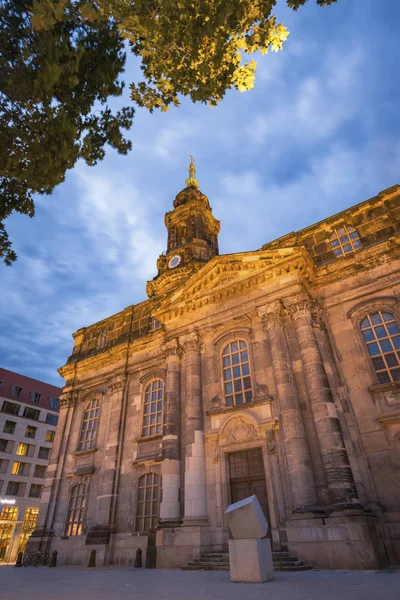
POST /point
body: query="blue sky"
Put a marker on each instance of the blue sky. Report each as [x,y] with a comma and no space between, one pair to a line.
[319,132]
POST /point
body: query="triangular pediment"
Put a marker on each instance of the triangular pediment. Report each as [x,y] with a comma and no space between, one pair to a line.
[222,273]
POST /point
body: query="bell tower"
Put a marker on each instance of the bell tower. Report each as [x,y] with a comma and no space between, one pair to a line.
[192,237]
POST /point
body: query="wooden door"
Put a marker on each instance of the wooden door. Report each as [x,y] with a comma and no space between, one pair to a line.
[247,478]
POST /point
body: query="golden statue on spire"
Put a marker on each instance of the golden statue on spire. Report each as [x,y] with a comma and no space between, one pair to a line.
[192,174]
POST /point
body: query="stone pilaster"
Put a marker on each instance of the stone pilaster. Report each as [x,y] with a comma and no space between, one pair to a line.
[301,476]
[195,512]
[106,501]
[341,486]
[170,508]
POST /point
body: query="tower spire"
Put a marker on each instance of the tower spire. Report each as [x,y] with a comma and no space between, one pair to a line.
[192,174]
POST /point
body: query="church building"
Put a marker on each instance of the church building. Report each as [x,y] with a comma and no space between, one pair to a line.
[273,372]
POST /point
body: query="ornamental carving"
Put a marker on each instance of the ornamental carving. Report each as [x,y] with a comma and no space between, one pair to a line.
[192,343]
[116,384]
[172,349]
[68,399]
[272,315]
[271,444]
[298,306]
[240,431]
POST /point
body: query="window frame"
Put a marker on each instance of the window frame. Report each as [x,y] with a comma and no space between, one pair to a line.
[334,235]
[7,402]
[357,314]
[86,402]
[142,516]
[36,485]
[13,423]
[225,342]
[30,437]
[146,383]
[82,509]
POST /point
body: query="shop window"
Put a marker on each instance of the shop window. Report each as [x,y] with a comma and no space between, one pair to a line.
[76,509]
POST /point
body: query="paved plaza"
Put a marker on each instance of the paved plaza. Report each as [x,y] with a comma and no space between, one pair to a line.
[73,583]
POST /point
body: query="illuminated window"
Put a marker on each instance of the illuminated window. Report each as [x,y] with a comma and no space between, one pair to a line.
[382,336]
[35,490]
[153,407]
[154,324]
[237,377]
[9,513]
[20,468]
[76,509]
[89,425]
[31,515]
[345,240]
[147,502]
[22,449]
[50,436]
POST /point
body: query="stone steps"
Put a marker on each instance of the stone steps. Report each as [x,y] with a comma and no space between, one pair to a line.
[219,561]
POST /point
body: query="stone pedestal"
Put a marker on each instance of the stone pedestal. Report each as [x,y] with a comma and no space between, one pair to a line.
[251,560]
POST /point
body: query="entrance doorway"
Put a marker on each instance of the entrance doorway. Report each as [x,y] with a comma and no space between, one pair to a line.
[247,478]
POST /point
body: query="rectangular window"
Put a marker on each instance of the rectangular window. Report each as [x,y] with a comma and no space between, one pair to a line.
[10,408]
[31,515]
[40,471]
[35,491]
[22,449]
[54,403]
[20,468]
[3,445]
[51,419]
[3,465]
[36,397]
[44,453]
[30,432]
[31,413]
[15,488]
[16,391]
[9,513]
[9,427]
[50,436]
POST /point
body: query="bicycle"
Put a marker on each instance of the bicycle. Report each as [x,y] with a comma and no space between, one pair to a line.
[35,559]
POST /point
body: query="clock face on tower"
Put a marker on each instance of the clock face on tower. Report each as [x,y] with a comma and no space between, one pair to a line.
[174,261]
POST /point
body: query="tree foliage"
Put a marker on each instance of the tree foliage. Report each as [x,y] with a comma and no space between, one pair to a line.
[61,60]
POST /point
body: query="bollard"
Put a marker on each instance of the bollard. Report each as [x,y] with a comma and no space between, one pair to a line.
[19,560]
[138,558]
[92,559]
[53,560]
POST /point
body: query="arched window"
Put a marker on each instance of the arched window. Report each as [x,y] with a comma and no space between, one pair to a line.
[236,369]
[382,336]
[89,425]
[153,407]
[345,240]
[147,502]
[76,509]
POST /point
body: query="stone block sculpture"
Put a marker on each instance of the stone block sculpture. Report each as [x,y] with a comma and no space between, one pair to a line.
[250,555]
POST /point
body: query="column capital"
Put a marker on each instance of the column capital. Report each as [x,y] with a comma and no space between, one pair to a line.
[298,306]
[192,342]
[68,399]
[172,349]
[272,315]
[116,384]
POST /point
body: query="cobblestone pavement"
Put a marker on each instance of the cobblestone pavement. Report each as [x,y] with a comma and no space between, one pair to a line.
[73,583]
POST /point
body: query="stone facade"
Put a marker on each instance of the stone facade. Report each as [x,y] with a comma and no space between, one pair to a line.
[302,416]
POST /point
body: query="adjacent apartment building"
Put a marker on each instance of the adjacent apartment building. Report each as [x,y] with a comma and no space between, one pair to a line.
[28,421]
